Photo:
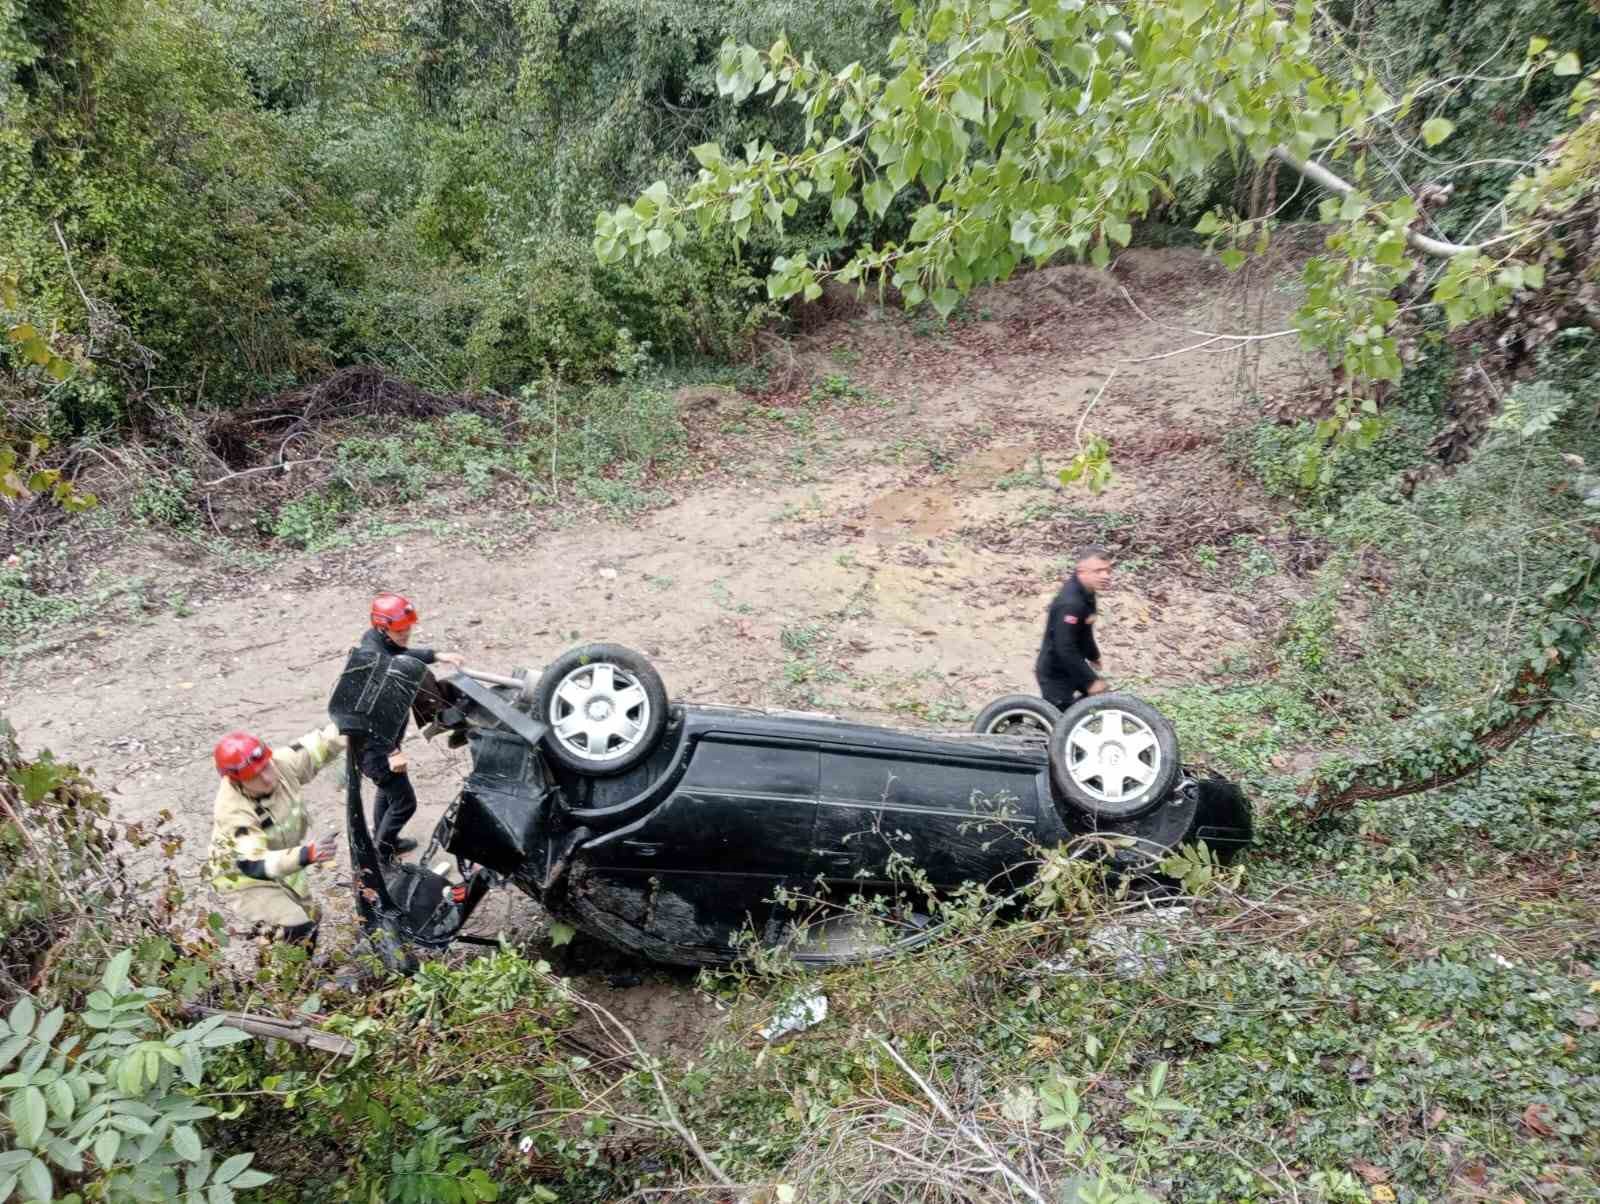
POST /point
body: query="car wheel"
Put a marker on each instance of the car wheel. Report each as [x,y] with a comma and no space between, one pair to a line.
[1113,756]
[1016,715]
[606,707]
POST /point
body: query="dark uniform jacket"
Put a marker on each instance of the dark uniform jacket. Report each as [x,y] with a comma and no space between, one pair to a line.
[378,640]
[1068,645]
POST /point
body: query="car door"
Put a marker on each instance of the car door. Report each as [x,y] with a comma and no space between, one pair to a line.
[954,818]
[707,862]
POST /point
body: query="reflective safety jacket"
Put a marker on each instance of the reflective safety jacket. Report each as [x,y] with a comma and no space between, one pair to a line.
[255,840]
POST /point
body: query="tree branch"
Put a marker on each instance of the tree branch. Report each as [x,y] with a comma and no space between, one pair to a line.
[295,1031]
[1318,174]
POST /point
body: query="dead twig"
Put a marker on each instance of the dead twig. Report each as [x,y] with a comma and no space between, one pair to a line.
[969,1132]
[651,1066]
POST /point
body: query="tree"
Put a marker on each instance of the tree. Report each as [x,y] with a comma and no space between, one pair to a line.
[1028,129]
[20,480]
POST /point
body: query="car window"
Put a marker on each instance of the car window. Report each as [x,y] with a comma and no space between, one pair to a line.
[752,769]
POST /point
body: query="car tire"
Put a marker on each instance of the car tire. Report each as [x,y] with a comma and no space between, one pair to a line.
[1113,756]
[580,695]
[1016,715]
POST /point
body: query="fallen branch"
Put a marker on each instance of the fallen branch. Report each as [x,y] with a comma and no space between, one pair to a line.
[282,465]
[295,1031]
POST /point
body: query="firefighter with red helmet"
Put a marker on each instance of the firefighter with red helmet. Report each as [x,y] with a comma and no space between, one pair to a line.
[393,620]
[259,849]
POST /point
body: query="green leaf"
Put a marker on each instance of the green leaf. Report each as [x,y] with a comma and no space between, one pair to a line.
[50,1025]
[28,1115]
[105,1148]
[186,1143]
[843,210]
[1536,46]
[9,1048]
[709,154]
[1233,260]
[23,333]
[878,194]
[1436,129]
[250,1179]
[115,978]
[232,1168]
[1567,64]
[1118,231]
[130,1073]
[35,1181]
[60,1098]
[659,241]
[561,933]
[23,1016]
[1207,224]
[967,106]
[65,1156]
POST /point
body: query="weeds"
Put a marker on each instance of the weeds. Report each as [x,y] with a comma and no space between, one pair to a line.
[23,609]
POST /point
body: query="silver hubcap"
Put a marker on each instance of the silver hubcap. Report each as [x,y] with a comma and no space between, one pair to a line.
[599,711]
[1018,723]
[1112,755]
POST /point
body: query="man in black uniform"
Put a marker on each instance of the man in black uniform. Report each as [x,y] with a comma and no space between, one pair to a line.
[1069,658]
[393,617]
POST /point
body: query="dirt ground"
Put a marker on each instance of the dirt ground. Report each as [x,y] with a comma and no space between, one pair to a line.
[887,555]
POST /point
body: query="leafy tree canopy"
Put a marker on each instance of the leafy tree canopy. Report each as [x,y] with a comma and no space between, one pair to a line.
[1023,131]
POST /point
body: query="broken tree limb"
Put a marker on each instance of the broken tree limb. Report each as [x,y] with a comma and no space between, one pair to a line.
[293,1030]
[1560,640]
[1318,174]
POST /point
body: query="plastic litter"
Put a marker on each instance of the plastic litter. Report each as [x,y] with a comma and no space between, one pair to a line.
[797,1015]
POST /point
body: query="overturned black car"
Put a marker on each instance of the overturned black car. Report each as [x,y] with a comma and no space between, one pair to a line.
[688,832]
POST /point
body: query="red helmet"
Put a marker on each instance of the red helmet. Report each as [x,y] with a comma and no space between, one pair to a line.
[393,612]
[240,756]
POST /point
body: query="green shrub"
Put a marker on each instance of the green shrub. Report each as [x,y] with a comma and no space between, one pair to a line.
[167,500]
[22,607]
[311,520]
[105,1100]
